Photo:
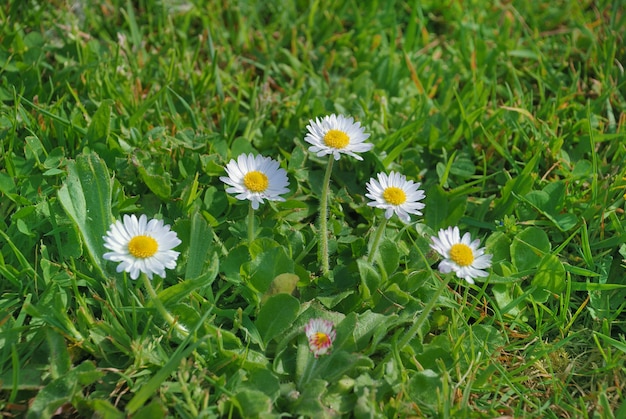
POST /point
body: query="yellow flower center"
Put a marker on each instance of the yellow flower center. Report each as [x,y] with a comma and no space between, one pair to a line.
[321,340]
[255,181]
[142,246]
[394,195]
[461,254]
[336,139]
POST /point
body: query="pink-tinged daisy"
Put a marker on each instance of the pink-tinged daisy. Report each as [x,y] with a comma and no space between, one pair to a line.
[141,246]
[461,255]
[256,178]
[395,194]
[321,334]
[336,135]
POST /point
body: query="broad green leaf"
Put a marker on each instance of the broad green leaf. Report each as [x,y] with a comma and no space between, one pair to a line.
[34,148]
[503,294]
[529,247]
[54,159]
[582,169]
[86,198]
[331,301]
[463,167]
[296,159]
[435,352]
[216,202]
[104,409]
[389,256]
[153,410]
[158,182]
[62,390]
[556,196]
[267,266]
[241,145]
[345,333]
[99,127]
[488,336]
[282,284]
[566,221]
[393,298]
[549,279]
[7,184]
[309,404]
[424,389]
[520,185]
[252,403]
[538,199]
[443,209]
[295,211]
[181,290]
[370,279]
[332,367]
[549,202]
[367,325]
[262,244]
[200,243]
[265,381]
[276,315]
[498,245]
[60,362]
[231,264]
[28,378]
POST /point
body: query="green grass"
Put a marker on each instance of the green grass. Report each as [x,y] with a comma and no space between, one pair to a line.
[511,114]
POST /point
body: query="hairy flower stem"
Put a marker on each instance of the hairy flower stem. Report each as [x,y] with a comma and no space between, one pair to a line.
[377,236]
[323,249]
[250,225]
[310,367]
[161,308]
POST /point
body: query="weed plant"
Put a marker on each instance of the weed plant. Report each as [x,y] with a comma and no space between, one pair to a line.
[510,115]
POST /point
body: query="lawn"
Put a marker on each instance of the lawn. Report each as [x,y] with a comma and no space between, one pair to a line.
[377,209]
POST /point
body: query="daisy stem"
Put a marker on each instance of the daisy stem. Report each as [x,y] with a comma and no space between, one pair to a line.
[424,314]
[250,225]
[307,373]
[377,236]
[160,307]
[323,250]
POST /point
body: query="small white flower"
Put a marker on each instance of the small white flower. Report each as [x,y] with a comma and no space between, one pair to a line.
[321,334]
[461,255]
[336,134]
[141,246]
[394,193]
[256,178]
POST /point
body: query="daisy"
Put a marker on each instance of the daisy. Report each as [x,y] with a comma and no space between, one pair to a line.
[321,335]
[336,134]
[461,255]
[256,178]
[395,194]
[141,246]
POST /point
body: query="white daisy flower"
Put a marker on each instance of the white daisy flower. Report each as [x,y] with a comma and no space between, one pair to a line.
[394,193]
[141,246]
[256,178]
[461,255]
[336,134]
[321,334]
